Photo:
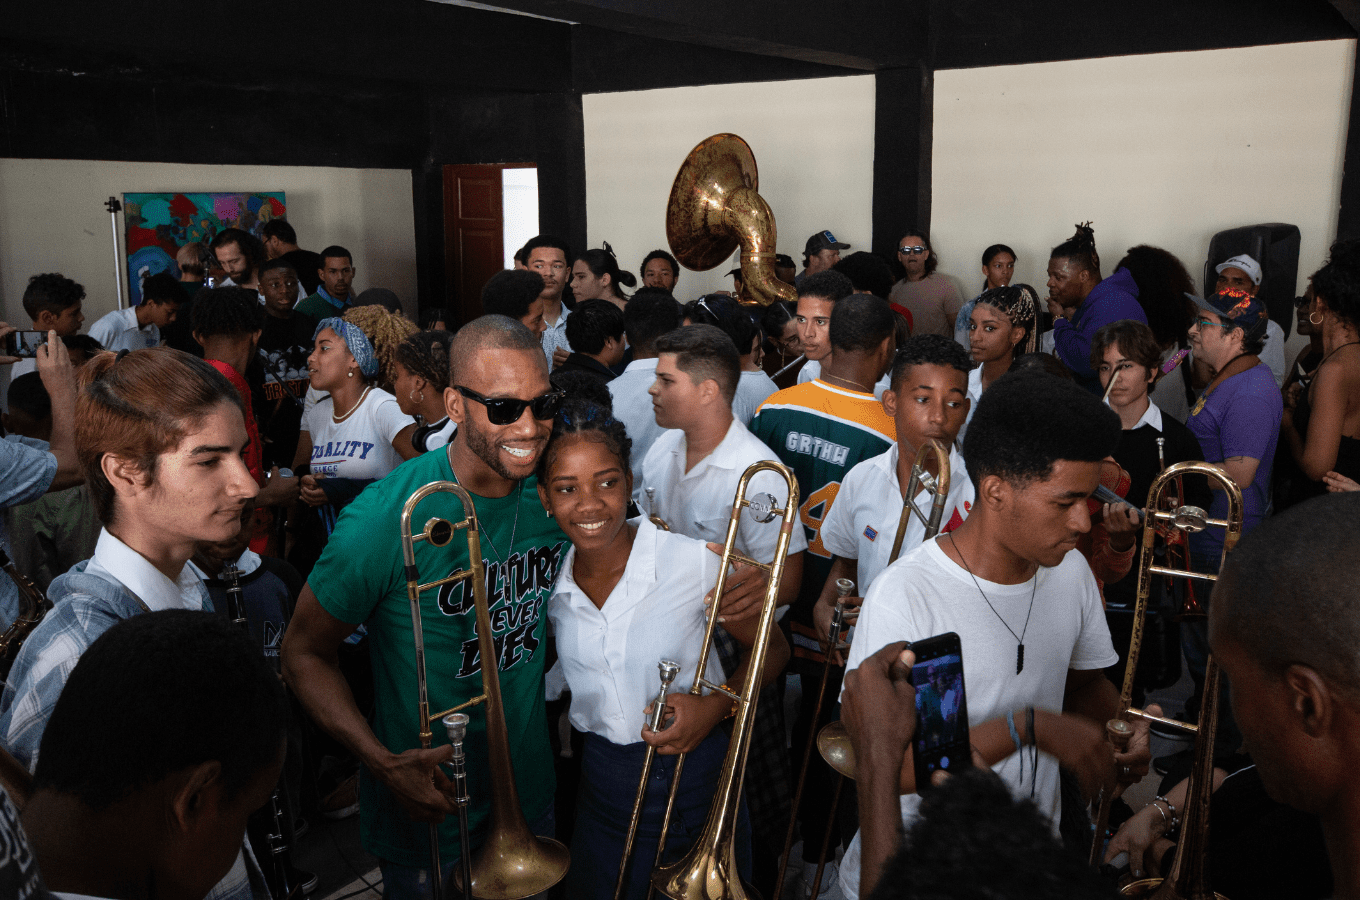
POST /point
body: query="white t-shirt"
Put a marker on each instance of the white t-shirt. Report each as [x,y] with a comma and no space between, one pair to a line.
[609,654]
[813,369]
[862,524]
[698,503]
[752,389]
[360,446]
[926,593]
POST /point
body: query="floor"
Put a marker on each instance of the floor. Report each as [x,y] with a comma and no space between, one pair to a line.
[332,849]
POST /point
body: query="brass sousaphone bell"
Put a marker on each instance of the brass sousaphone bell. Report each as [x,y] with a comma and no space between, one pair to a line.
[715,206]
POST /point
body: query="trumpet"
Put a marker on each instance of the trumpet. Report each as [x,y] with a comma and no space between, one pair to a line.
[709,871]
[513,862]
[1184,519]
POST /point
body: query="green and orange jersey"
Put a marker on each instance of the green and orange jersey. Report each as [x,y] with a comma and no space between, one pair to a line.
[820,432]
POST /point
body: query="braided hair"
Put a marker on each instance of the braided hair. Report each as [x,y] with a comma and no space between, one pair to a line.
[425,354]
[581,416]
[1020,303]
[1080,248]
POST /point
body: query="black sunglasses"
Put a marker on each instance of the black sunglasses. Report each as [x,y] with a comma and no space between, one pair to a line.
[507,410]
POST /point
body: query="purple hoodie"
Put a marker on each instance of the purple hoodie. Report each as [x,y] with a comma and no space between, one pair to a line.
[1112,300]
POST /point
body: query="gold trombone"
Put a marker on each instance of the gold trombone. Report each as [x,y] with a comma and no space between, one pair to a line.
[513,862]
[1188,519]
[1189,878]
[832,741]
[937,485]
[709,871]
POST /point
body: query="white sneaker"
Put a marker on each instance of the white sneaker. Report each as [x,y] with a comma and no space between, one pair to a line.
[830,879]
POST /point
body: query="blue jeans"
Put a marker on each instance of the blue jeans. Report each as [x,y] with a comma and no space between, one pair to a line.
[413,883]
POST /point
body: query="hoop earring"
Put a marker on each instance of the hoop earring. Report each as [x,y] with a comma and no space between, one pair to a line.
[1320,319]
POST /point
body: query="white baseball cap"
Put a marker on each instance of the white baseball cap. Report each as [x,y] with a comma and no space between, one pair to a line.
[1243,262]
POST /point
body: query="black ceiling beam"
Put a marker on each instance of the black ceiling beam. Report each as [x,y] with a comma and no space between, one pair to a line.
[854,35]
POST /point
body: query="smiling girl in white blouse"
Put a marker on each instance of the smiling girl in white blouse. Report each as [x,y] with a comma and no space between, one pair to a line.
[630,595]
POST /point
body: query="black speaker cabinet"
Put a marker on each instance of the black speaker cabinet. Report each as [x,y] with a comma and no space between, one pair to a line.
[1276,247]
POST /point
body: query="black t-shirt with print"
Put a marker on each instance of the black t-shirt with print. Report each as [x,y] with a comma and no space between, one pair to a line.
[285,344]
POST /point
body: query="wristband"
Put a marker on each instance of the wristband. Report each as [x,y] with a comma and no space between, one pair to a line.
[1015,736]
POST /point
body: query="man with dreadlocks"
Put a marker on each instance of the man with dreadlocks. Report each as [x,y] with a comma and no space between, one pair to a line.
[1082,303]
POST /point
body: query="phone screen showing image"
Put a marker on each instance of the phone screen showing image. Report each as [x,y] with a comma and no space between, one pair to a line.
[24,344]
[941,740]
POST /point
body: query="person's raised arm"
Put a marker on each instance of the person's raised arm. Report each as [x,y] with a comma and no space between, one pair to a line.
[311,667]
[59,378]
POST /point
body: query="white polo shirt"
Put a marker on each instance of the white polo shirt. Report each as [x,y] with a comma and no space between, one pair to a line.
[699,502]
[633,407]
[119,331]
[608,654]
[753,389]
[862,524]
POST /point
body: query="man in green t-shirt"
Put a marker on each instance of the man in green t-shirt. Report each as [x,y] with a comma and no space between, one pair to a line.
[499,374]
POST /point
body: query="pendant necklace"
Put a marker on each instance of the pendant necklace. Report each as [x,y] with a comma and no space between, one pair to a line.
[514,529]
[1019,638]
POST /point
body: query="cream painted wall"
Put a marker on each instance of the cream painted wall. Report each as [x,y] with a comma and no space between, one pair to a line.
[52,219]
[813,142]
[1164,149]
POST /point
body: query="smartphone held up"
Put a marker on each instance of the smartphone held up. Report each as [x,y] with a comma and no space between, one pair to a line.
[941,740]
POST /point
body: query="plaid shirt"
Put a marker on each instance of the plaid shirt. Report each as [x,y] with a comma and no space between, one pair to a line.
[85,607]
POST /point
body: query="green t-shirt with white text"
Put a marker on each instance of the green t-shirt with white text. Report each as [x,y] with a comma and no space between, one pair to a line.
[360,578]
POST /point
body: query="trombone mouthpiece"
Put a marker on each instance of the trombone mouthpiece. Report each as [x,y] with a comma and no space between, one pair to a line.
[456,725]
[844,586]
[668,669]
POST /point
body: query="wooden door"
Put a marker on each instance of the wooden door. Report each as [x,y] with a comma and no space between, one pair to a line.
[473,229]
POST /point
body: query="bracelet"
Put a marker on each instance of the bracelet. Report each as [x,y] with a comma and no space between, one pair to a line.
[1165,821]
[1034,751]
[1175,821]
[1015,736]
[733,711]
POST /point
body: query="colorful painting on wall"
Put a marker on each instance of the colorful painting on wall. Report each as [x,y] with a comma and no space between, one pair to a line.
[159,224]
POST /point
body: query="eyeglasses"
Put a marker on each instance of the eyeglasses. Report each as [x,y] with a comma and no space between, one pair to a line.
[1303,302]
[507,410]
[1204,323]
[912,251]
